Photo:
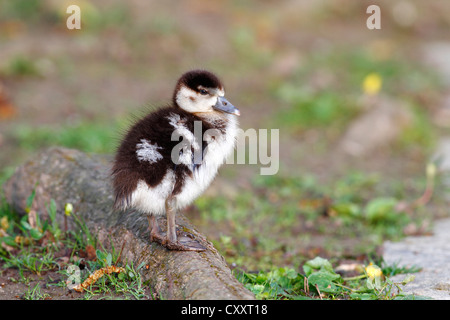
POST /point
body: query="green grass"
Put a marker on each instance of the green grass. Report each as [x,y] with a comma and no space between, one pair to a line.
[278,220]
[314,110]
[31,249]
[30,260]
[93,136]
[319,280]
[35,293]
[268,231]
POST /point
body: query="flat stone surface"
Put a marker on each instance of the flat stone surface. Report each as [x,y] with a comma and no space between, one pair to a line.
[432,254]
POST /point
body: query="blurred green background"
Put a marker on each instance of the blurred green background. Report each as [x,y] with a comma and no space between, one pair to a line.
[360,112]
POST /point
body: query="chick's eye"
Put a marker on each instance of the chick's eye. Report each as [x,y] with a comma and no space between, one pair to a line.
[203,91]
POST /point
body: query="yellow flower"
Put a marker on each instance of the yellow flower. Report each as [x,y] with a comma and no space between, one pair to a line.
[373,271]
[68,209]
[372,83]
[431,170]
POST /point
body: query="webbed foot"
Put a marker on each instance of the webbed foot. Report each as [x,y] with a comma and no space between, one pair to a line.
[183,242]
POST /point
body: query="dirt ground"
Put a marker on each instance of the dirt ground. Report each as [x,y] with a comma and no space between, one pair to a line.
[129,55]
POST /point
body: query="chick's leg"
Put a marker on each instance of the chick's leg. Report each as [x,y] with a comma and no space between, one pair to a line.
[171,225]
[172,242]
[155,231]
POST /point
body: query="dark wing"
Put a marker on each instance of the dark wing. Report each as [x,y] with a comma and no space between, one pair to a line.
[129,168]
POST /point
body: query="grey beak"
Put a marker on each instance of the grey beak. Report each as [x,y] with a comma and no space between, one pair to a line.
[225,106]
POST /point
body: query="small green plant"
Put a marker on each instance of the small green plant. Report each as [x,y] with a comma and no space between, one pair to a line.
[81,236]
[35,293]
[281,283]
[320,281]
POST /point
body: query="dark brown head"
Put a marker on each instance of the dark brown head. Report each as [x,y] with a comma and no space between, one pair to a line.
[200,91]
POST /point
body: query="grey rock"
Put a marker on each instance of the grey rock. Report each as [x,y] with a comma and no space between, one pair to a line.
[432,254]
